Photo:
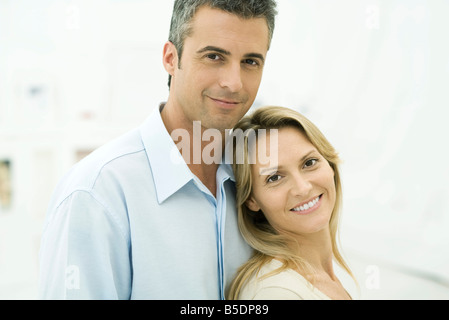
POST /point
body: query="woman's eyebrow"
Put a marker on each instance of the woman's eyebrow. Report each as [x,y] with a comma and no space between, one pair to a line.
[308,154]
[271,170]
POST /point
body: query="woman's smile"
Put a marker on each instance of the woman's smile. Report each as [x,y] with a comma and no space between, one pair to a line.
[308,206]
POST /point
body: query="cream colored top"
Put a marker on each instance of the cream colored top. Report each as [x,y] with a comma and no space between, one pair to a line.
[286,285]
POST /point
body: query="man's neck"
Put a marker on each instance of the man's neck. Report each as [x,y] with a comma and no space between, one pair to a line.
[202,157]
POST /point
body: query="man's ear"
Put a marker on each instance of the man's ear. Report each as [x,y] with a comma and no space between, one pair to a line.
[252,205]
[170,57]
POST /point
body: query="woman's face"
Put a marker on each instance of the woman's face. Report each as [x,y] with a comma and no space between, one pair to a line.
[298,196]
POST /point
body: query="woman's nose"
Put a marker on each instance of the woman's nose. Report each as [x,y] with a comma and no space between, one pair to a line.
[301,186]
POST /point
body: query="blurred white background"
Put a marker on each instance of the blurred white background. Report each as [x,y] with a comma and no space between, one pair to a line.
[372,74]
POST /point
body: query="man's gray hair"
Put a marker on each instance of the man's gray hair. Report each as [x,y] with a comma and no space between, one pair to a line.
[184,10]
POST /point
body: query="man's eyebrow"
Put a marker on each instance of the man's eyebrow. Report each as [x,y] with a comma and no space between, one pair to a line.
[214,49]
[227,53]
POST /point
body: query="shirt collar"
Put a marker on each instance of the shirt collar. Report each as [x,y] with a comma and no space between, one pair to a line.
[225,167]
[170,172]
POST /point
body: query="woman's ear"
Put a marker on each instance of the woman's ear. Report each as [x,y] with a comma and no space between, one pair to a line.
[252,205]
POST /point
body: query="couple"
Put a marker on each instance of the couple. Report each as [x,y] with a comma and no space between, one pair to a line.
[131,222]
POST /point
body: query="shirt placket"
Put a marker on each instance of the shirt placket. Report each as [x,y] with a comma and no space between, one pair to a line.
[220,219]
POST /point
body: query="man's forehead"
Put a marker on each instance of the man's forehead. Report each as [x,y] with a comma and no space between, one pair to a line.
[217,25]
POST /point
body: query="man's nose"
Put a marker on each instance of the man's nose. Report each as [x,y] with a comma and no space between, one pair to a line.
[231,77]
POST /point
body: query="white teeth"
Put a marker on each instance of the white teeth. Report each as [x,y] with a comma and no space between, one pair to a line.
[308,205]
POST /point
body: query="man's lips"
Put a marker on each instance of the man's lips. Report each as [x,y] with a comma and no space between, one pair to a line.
[225,101]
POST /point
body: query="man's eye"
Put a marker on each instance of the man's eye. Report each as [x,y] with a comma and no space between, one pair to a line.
[213,56]
[251,62]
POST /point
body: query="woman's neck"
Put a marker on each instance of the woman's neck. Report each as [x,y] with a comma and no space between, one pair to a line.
[316,249]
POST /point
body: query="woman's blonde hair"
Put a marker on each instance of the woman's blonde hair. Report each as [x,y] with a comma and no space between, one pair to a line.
[258,233]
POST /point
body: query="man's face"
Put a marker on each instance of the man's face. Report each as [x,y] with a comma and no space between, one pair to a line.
[220,68]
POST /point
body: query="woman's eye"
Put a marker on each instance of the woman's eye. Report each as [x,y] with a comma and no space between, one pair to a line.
[273,178]
[310,163]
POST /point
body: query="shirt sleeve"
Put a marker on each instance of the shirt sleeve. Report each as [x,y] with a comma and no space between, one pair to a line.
[276,293]
[85,253]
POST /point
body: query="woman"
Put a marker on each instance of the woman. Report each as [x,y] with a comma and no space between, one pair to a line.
[289,212]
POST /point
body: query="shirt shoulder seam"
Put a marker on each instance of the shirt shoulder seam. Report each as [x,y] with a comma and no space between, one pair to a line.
[107,209]
[108,162]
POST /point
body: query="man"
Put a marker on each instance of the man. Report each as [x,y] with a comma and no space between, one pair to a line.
[135,220]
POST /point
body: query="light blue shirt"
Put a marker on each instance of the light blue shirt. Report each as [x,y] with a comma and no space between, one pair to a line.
[131,221]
